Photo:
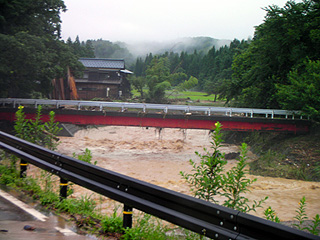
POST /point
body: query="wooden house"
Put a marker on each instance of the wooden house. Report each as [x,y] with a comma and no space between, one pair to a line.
[64,88]
[103,78]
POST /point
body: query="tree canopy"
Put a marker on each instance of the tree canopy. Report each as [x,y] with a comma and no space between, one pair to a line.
[288,37]
[81,49]
[278,68]
[204,72]
[303,89]
[31,51]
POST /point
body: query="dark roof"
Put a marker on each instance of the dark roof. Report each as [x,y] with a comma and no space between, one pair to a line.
[102,63]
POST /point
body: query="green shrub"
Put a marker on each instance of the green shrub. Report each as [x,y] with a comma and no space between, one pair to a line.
[35,131]
[112,224]
[147,227]
[84,205]
[207,179]
[235,184]
[85,157]
[271,215]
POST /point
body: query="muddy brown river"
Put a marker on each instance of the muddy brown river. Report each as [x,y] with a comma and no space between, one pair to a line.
[158,157]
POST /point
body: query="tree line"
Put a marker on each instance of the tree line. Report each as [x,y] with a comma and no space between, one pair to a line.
[209,69]
[31,50]
[278,68]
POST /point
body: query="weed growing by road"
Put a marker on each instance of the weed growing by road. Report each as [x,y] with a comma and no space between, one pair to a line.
[301,218]
[301,213]
[147,227]
[235,183]
[35,131]
[207,179]
[85,205]
[314,227]
[112,224]
[85,157]
[271,215]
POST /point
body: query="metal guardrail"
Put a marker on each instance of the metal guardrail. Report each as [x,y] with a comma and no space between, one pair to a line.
[211,220]
[248,112]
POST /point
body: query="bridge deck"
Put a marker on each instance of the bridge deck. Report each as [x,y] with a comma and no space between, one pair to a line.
[166,120]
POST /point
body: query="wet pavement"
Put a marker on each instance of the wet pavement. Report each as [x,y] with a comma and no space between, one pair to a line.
[17,224]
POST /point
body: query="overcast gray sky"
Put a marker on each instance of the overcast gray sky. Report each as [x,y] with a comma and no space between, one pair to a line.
[161,20]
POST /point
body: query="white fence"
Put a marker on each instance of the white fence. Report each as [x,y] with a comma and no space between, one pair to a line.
[144,107]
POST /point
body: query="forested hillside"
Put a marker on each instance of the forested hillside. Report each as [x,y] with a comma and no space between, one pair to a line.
[278,68]
[131,51]
[31,51]
[211,69]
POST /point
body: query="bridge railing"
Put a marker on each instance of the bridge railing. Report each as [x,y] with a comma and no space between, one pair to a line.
[144,107]
[211,220]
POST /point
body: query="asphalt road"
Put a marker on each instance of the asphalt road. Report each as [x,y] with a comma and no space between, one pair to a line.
[19,221]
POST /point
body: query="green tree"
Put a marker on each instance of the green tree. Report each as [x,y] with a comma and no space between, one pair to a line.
[216,67]
[138,83]
[139,67]
[81,49]
[178,78]
[158,80]
[302,90]
[24,64]
[287,36]
[188,84]
[107,49]
[30,50]
[35,17]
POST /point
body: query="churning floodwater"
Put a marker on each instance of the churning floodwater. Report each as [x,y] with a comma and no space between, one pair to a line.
[157,157]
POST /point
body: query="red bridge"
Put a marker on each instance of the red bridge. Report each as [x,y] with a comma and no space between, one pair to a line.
[158,115]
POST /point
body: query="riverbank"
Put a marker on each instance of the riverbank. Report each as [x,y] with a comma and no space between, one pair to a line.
[283,155]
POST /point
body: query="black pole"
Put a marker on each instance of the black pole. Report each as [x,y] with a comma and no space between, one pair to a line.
[127,216]
[23,168]
[63,188]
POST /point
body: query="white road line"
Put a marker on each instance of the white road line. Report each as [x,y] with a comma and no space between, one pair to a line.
[33,212]
[23,206]
[65,231]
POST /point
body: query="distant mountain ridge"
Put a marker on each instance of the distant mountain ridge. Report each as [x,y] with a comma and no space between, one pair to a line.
[130,51]
[188,44]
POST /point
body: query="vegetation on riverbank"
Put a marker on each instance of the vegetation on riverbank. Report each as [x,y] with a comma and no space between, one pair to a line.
[283,155]
[287,156]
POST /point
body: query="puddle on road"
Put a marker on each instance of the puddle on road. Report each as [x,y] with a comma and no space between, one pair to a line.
[15,222]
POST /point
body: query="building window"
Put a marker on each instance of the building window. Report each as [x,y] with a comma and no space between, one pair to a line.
[104,76]
[85,75]
[87,89]
[93,76]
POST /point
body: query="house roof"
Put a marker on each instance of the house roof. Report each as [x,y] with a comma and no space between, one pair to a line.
[102,63]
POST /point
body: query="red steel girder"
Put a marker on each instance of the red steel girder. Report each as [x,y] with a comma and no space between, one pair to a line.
[168,121]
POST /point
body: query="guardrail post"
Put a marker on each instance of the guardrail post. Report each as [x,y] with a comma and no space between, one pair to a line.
[127,216]
[63,188]
[23,168]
